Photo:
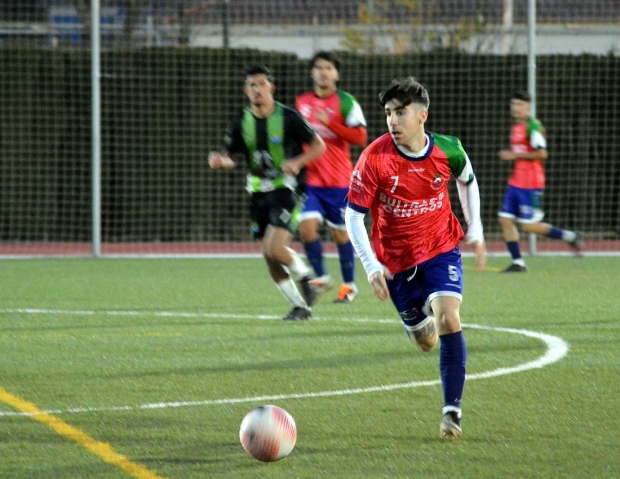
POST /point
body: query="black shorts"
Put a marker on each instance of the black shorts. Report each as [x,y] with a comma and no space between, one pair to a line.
[276,208]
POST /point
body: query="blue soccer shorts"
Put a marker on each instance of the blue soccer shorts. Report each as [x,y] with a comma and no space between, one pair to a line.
[413,290]
[523,204]
[325,203]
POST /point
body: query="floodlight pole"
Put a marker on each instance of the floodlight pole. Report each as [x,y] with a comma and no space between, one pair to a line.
[96,125]
[531,54]
[531,82]
[507,22]
[371,15]
[226,24]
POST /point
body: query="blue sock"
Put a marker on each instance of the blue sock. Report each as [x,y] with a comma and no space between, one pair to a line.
[452,358]
[347,262]
[555,233]
[513,247]
[314,253]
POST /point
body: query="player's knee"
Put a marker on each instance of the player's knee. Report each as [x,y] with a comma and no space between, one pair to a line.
[269,260]
[307,231]
[267,251]
[273,254]
[340,236]
[448,320]
[449,323]
[505,221]
[428,345]
[425,336]
[308,237]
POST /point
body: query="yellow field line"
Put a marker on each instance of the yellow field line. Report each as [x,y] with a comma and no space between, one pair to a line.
[103,450]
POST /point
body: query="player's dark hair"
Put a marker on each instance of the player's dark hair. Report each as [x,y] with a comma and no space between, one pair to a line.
[327,56]
[406,91]
[258,69]
[521,95]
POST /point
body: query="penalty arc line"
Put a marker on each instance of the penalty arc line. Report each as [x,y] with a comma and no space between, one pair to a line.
[557,348]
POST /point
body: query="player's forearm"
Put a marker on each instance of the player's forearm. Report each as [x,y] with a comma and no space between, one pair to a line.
[355,135]
[220,160]
[356,229]
[538,155]
[228,163]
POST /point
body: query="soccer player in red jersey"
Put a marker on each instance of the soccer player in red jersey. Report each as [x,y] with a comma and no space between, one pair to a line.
[522,200]
[402,179]
[338,119]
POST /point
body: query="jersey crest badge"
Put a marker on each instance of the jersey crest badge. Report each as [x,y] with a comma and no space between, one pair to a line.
[276,140]
[437,182]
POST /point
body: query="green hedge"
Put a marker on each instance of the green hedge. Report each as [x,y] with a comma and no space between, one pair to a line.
[164,109]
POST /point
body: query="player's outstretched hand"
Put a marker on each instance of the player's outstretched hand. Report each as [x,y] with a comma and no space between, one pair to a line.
[378,284]
[291,166]
[217,160]
[322,116]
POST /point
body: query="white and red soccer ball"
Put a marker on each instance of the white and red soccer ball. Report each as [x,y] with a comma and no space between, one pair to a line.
[268,433]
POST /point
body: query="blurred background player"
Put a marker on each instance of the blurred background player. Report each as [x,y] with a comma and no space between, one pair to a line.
[402,179]
[270,137]
[338,119]
[522,200]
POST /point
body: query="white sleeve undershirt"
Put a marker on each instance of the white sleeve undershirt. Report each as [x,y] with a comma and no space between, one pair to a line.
[359,238]
[469,196]
[538,141]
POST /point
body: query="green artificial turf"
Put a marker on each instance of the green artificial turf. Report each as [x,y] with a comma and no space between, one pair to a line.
[161,359]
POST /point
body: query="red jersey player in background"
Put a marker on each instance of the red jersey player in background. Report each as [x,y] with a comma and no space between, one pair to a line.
[338,119]
[402,179]
[522,200]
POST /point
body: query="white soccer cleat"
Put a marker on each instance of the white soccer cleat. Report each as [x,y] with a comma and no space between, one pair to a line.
[451,425]
[322,284]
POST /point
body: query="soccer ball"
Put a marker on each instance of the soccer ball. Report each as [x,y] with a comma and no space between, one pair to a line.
[268,433]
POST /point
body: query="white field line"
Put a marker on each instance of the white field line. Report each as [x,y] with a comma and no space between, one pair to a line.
[557,348]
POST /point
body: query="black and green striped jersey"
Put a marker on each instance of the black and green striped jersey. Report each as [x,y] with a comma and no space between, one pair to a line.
[266,143]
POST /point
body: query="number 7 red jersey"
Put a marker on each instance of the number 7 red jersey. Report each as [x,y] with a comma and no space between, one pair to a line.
[408,199]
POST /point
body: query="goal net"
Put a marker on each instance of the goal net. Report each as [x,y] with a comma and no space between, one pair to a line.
[171,82]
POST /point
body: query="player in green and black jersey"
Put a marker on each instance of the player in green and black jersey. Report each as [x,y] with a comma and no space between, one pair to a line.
[277,144]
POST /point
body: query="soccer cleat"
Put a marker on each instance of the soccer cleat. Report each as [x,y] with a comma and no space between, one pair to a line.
[451,425]
[346,295]
[298,314]
[308,291]
[515,268]
[322,284]
[577,244]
